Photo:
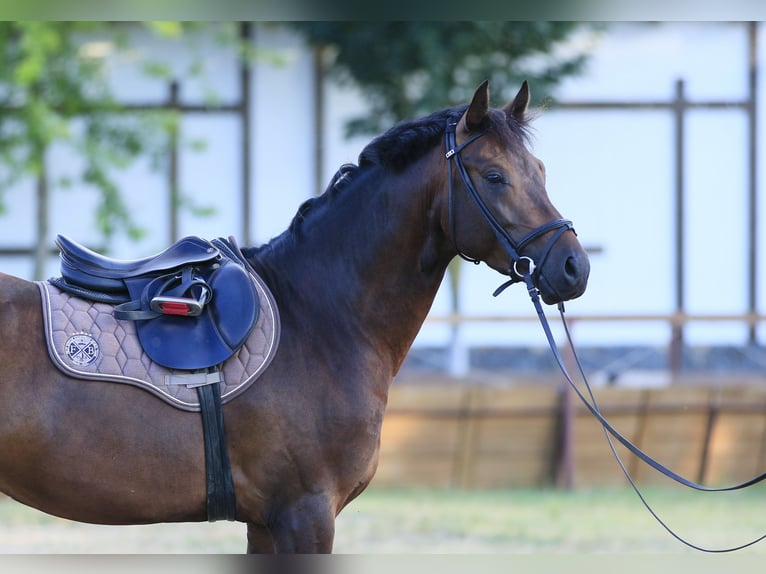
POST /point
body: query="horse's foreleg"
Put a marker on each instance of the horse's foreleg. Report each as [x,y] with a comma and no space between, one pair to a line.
[305,526]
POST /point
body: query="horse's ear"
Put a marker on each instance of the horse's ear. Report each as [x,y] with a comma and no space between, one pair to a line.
[477,109]
[518,107]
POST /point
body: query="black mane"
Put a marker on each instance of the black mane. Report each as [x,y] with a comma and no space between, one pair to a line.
[408,141]
[397,148]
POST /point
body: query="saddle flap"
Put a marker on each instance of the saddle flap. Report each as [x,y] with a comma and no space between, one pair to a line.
[235,309]
[198,342]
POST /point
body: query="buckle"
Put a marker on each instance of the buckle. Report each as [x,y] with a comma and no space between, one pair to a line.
[183,306]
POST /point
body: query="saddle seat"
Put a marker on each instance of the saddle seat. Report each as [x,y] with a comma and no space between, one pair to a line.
[194,304]
[86,268]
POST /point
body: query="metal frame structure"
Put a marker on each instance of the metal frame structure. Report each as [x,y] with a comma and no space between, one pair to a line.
[678,106]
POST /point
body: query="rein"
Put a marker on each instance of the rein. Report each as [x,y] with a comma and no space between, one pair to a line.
[530,277]
[592,406]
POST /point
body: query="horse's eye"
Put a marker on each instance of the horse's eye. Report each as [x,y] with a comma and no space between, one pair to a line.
[494,177]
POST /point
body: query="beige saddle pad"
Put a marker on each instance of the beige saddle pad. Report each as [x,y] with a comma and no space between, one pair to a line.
[86,341]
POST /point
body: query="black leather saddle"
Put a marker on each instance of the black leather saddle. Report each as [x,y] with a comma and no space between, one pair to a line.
[194,304]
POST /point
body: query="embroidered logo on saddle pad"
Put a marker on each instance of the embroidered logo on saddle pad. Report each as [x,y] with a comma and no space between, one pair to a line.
[82,349]
[86,341]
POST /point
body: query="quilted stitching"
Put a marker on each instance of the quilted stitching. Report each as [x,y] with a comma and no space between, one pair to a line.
[122,360]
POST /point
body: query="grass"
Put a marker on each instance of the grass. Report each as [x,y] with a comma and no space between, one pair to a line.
[413,521]
[547,521]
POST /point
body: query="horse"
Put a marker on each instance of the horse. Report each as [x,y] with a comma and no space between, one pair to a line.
[353,276]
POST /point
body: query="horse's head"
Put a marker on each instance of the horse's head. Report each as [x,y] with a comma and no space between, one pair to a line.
[499,211]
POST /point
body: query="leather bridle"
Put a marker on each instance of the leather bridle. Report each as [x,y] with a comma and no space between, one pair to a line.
[512,247]
[530,277]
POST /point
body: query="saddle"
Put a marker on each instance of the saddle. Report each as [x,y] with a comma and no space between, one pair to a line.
[194,304]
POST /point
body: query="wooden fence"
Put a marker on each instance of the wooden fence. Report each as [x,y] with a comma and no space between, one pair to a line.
[494,437]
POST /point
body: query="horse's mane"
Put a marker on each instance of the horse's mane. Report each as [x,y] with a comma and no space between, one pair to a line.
[408,141]
[395,149]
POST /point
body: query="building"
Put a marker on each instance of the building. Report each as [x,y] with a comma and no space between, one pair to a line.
[612,157]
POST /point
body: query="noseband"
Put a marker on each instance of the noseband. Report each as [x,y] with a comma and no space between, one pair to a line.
[512,247]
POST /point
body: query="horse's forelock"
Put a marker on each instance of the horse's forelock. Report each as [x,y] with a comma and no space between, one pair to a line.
[515,131]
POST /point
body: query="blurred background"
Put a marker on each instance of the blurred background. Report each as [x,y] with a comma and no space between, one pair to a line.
[127,136]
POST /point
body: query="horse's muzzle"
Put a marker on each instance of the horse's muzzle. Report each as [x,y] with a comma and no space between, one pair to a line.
[564,278]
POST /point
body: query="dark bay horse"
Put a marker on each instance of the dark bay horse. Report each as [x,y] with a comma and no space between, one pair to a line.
[354,277]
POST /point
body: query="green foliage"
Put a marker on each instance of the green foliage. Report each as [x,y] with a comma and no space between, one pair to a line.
[408,69]
[54,92]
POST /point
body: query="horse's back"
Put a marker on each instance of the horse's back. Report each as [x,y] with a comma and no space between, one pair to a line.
[73,448]
[14,290]
[19,315]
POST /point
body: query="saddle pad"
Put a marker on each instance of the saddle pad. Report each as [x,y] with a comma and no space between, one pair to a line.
[86,341]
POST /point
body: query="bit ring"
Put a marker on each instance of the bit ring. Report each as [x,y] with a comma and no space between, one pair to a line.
[530,266]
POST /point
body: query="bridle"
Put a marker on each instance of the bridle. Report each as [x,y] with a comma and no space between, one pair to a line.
[530,276]
[512,247]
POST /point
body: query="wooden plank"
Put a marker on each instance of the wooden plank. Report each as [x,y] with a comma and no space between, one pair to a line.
[593,460]
[485,437]
[513,400]
[512,452]
[674,432]
[421,435]
[737,436]
[426,398]
[509,437]
[735,444]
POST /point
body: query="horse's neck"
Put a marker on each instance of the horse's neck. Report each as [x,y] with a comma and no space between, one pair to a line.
[372,266]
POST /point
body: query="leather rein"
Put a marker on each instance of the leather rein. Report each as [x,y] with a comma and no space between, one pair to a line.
[529,274]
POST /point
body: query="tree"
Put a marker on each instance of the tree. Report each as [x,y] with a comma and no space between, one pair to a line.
[55,91]
[46,82]
[408,69]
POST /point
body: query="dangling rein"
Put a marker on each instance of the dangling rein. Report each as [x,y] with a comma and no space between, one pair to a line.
[592,406]
[528,273]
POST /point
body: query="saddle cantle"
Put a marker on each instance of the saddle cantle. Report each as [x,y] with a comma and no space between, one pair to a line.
[194,304]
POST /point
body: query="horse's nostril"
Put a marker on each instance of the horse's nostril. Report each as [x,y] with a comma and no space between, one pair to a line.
[576,271]
[571,268]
